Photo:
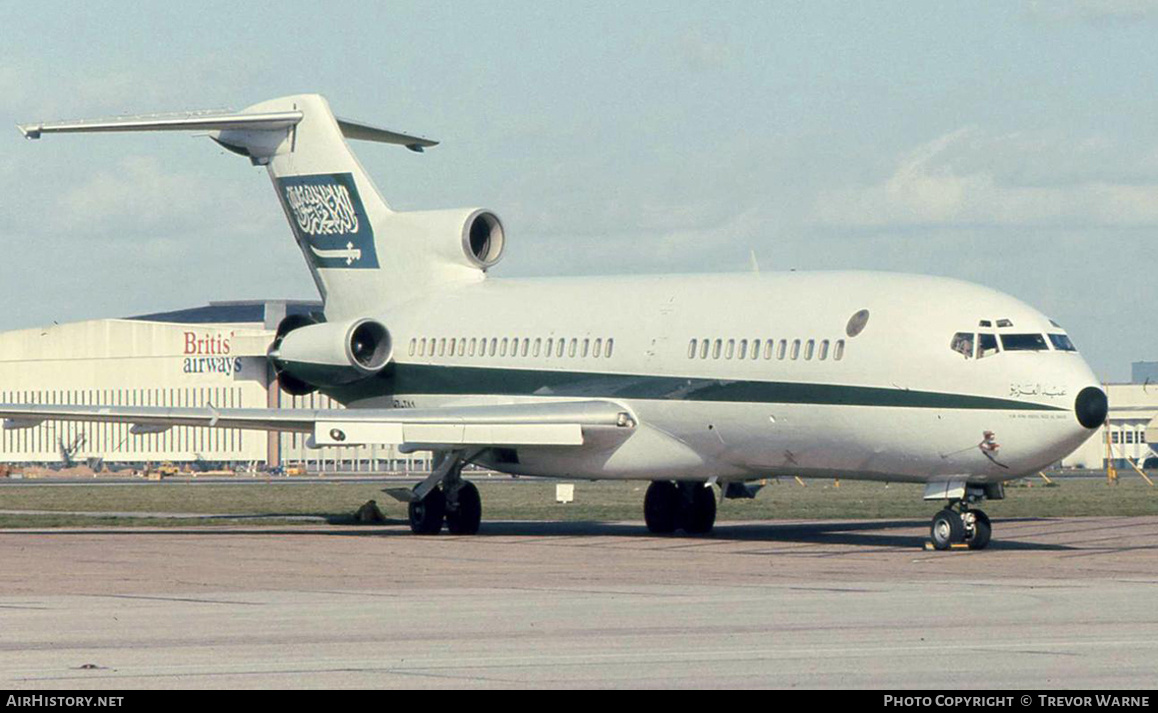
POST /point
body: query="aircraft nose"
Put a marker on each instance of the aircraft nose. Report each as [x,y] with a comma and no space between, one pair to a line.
[1091,407]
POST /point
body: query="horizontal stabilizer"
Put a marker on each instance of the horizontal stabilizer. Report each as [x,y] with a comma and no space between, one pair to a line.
[364,132]
[198,121]
[221,121]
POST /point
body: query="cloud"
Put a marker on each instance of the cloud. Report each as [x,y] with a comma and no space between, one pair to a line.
[139,195]
[698,52]
[1092,11]
[968,178]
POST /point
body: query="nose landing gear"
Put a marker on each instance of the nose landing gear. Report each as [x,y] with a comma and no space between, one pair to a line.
[965,525]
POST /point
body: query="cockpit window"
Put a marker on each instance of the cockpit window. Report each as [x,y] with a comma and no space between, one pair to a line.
[1023,343]
[1002,323]
[963,344]
[1062,343]
[986,345]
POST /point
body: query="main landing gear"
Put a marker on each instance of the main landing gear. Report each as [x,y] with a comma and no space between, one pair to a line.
[965,525]
[443,497]
[687,506]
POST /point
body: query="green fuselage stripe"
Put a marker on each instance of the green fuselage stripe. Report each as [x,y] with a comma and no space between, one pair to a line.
[405,380]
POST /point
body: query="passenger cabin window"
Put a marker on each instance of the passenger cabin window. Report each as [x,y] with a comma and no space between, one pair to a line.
[1023,343]
[823,350]
[838,350]
[1062,343]
[809,348]
[963,344]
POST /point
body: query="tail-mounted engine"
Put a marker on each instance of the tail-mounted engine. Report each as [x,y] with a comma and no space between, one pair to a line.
[462,237]
[308,355]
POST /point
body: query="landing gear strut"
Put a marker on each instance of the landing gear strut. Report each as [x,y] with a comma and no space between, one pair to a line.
[965,525]
[443,497]
[687,506]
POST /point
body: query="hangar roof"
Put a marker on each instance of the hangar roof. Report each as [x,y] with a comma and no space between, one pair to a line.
[235,312]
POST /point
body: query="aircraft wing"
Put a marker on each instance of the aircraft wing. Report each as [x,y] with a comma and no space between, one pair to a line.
[549,423]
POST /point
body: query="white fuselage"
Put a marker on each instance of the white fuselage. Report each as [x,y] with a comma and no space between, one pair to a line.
[893,402]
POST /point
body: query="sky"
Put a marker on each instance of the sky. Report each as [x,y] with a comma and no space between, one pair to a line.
[1014,144]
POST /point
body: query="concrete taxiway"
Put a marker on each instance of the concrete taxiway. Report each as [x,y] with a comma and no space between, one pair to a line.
[1054,603]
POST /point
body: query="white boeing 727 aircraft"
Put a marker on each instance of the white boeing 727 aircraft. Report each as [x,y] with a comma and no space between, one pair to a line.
[689,381]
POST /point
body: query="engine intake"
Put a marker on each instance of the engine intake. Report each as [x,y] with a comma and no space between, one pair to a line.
[483,238]
[369,346]
[309,355]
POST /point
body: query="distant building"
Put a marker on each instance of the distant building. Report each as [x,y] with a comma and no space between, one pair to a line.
[1144,372]
[212,355]
[1133,407]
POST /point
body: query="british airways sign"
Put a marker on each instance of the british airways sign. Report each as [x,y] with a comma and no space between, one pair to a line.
[206,353]
[329,219]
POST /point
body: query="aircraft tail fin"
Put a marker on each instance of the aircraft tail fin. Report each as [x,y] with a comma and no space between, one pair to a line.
[332,205]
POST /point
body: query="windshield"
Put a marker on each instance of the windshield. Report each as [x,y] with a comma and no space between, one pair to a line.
[1062,343]
[963,344]
[986,345]
[1023,343]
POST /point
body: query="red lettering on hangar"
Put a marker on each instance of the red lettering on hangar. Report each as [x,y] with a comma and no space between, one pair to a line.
[207,344]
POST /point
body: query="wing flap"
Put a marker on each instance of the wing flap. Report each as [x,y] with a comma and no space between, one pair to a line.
[344,433]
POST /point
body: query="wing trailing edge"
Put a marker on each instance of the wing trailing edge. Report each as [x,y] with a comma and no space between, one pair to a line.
[543,424]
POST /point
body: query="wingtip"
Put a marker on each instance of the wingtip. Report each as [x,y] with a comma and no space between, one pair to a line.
[29,131]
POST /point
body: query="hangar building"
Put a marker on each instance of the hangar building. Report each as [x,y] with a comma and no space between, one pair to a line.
[1133,409]
[213,355]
